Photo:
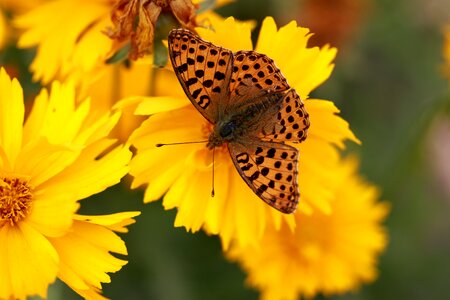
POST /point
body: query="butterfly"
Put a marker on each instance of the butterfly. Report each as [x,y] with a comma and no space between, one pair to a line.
[252,110]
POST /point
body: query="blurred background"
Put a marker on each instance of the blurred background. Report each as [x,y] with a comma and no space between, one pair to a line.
[390,85]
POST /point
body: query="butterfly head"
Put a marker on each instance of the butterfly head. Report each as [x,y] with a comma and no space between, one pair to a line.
[222,132]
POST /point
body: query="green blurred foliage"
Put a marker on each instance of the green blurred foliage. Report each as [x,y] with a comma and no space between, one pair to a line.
[388,84]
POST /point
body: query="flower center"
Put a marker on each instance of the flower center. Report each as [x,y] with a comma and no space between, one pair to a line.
[15,200]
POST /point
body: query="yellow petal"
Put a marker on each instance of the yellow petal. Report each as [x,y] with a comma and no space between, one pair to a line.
[28,262]
[304,68]
[167,85]
[160,182]
[210,19]
[56,27]
[89,174]
[165,128]
[116,222]
[90,293]
[85,257]
[98,128]
[246,210]
[315,181]
[11,116]
[191,212]
[36,117]
[147,167]
[117,82]
[52,214]
[326,124]
[53,110]
[229,34]
[93,47]
[41,160]
[153,105]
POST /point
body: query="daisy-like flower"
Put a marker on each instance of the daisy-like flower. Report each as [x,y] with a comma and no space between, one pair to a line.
[59,156]
[182,174]
[327,253]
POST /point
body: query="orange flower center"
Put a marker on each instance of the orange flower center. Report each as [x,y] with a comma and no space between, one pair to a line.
[15,200]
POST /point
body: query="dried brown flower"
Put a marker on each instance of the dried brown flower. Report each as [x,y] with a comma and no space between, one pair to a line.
[135,21]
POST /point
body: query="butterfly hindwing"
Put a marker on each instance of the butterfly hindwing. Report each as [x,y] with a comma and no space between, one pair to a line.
[270,170]
[203,69]
[291,122]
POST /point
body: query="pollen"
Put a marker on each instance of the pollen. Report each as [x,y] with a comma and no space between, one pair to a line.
[15,200]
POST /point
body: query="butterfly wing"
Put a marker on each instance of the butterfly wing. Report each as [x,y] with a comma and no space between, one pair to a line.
[270,170]
[291,122]
[203,69]
[254,75]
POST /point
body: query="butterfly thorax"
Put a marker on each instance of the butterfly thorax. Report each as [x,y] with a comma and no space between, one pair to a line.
[224,132]
[243,120]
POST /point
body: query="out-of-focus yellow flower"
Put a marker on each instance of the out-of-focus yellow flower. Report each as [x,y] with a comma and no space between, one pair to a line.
[20,5]
[57,157]
[181,173]
[327,253]
[116,82]
[69,35]
[447,51]
[3,29]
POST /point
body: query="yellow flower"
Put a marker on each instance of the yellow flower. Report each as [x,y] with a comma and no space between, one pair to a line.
[327,253]
[116,82]
[447,51]
[47,164]
[69,37]
[182,174]
[3,30]
[20,5]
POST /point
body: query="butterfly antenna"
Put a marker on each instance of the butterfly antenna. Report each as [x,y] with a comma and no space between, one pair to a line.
[180,143]
[212,190]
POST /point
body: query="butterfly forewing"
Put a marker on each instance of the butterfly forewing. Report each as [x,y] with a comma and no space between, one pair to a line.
[203,69]
[270,170]
[254,73]
[291,122]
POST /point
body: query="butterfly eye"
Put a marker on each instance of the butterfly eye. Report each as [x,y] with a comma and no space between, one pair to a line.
[227,129]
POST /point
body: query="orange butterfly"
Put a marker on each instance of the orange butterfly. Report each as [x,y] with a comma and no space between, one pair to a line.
[252,109]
